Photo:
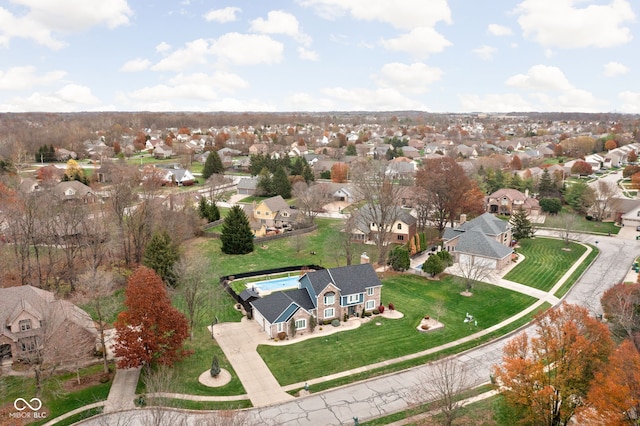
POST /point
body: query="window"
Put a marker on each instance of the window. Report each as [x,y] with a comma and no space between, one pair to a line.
[329,313]
[400,237]
[353,298]
[371,304]
[29,344]
[399,226]
[280,327]
[329,298]
[258,212]
[301,324]
[25,324]
[370,291]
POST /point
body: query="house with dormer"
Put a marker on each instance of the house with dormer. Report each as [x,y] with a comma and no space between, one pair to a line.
[485,239]
[34,323]
[507,201]
[74,191]
[400,229]
[326,295]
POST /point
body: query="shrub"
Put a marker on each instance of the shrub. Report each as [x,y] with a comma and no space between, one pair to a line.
[376,312]
[335,322]
[391,307]
[381,308]
[215,367]
[367,314]
[589,217]
[345,317]
[424,327]
[427,317]
[326,322]
[282,335]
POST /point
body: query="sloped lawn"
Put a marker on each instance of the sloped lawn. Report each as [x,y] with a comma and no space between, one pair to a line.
[546,261]
[371,343]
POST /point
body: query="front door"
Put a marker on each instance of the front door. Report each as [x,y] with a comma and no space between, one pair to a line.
[352,310]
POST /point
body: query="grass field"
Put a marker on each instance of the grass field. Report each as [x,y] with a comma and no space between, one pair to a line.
[371,343]
[546,261]
[577,223]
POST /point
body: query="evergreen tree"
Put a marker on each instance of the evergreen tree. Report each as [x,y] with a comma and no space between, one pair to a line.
[213,165]
[580,196]
[433,265]
[545,186]
[551,205]
[208,210]
[399,259]
[161,255]
[236,237]
[307,173]
[445,256]
[297,167]
[280,183]
[521,227]
[265,183]
[516,182]
[351,149]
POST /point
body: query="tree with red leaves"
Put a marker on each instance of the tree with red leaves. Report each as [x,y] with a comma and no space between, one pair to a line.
[581,167]
[150,330]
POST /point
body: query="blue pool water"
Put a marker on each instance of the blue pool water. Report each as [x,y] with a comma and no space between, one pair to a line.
[275,284]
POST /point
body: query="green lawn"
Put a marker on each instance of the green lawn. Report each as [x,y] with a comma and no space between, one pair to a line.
[578,223]
[371,343]
[546,261]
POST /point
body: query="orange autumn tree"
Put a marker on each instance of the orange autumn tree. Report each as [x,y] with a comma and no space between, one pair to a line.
[614,397]
[547,377]
[150,330]
[339,172]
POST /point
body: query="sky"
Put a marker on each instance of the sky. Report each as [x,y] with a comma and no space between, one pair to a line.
[320,55]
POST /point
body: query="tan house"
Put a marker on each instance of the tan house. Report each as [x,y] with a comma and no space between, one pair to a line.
[326,295]
[403,228]
[270,215]
[34,324]
[507,201]
[485,239]
[74,191]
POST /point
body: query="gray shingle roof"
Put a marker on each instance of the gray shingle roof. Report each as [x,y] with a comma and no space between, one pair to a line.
[349,279]
[274,304]
[487,223]
[476,243]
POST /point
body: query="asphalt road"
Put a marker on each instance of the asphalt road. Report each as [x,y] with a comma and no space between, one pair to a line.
[399,391]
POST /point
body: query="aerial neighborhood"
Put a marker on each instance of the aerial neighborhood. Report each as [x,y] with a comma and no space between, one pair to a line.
[197,252]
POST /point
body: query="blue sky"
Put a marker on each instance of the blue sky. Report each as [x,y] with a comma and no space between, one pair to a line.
[320,55]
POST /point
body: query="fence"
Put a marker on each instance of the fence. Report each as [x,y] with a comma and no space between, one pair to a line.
[224,282]
[266,237]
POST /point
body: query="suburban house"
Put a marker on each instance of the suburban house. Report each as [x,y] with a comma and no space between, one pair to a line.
[162,152]
[326,294]
[270,215]
[177,176]
[403,228]
[485,239]
[247,185]
[74,191]
[32,321]
[507,201]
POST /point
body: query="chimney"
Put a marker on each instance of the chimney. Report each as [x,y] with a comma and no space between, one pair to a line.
[364,258]
[463,218]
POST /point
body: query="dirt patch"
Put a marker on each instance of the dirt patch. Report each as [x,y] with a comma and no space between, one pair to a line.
[86,381]
[466,294]
[565,249]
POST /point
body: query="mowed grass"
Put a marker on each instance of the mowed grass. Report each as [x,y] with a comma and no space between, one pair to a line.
[290,251]
[578,223]
[546,261]
[371,343]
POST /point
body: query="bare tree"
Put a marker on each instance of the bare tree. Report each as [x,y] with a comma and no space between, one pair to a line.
[440,384]
[341,244]
[439,309]
[96,288]
[216,187]
[311,198]
[473,269]
[383,198]
[605,203]
[123,180]
[192,273]
[567,232]
[298,242]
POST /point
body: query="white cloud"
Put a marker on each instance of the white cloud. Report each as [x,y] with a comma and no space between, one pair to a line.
[613,69]
[44,18]
[220,80]
[279,22]
[306,102]
[405,15]
[499,30]
[559,23]
[193,53]
[21,78]
[413,78]
[485,52]
[228,14]
[630,102]
[362,99]
[69,98]
[494,103]
[247,49]
[541,77]
[420,42]
[135,65]
[307,55]
[163,47]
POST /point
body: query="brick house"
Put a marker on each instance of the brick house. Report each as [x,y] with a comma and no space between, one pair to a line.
[508,201]
[326,294]
[32,320]
[485,239]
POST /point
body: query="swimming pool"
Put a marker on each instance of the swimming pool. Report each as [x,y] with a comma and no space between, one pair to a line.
[276,284]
